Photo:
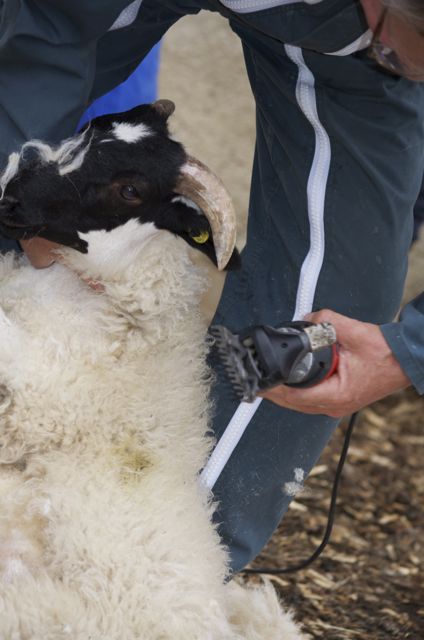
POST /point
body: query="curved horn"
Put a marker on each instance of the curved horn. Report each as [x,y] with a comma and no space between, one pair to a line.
[205,189]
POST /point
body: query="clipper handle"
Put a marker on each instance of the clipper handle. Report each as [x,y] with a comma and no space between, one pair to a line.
[324,365]
[297,354]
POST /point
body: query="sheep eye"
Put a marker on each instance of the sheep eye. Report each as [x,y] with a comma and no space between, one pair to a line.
[129,192]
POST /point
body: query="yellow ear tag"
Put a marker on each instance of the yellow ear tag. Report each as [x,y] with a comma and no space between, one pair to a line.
[201,238]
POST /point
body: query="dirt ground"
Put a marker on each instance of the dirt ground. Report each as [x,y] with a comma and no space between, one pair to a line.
[369,582]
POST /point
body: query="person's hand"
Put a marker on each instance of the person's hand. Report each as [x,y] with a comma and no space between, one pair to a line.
[41,254]
[367,372]
[40,251]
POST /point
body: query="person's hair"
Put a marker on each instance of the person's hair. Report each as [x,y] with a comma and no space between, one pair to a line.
[411,10]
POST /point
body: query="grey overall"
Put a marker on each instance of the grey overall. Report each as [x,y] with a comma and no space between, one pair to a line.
[338,165]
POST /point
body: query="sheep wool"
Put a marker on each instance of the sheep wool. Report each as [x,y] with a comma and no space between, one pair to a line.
[105,532]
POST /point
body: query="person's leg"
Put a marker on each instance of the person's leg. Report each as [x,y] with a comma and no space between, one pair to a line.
[338,165]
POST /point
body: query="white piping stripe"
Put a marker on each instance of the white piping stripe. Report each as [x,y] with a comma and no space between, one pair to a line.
[249,6]
[228,442]
[127,16]
[360,43]
[317,182]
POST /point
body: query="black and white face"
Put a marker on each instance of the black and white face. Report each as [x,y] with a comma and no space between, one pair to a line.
[121,168]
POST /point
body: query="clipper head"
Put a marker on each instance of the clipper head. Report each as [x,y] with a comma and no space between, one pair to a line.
[234,355]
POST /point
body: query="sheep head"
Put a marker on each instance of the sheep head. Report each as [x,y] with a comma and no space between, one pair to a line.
[122,174]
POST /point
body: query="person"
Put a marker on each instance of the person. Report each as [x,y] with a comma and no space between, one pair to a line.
[337,168]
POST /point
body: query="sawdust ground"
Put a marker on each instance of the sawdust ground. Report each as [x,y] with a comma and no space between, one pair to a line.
[368,584]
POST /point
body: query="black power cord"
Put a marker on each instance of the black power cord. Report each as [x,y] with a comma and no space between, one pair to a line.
[331,512]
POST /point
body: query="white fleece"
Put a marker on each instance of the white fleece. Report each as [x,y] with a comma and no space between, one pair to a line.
[104,532]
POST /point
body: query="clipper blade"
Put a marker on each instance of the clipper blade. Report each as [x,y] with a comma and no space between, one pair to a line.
[234,356]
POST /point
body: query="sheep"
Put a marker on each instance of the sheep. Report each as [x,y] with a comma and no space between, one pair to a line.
[105,531]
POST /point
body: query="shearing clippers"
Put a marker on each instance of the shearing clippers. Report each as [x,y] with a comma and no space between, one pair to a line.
[297,354]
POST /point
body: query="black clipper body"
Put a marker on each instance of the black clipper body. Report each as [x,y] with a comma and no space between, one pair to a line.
[297,354]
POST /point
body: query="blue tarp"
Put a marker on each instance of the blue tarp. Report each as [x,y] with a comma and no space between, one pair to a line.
[139,88]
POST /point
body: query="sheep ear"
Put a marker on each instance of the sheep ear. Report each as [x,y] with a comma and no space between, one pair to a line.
[164,108]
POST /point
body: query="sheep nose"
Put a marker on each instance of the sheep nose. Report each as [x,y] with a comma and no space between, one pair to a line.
[8,203]
[9,212]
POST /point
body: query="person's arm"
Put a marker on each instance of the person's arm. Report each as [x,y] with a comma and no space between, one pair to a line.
[374,362]
[47,66]
[406,340]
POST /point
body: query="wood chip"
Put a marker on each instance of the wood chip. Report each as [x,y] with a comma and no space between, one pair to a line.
[318,470]
[321,580]
[297,506]
[279,581]
[390,517]
[382,461]
[342,557]
[373,418]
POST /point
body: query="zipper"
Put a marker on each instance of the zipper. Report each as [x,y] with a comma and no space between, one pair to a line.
[311,267]
[316,188]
